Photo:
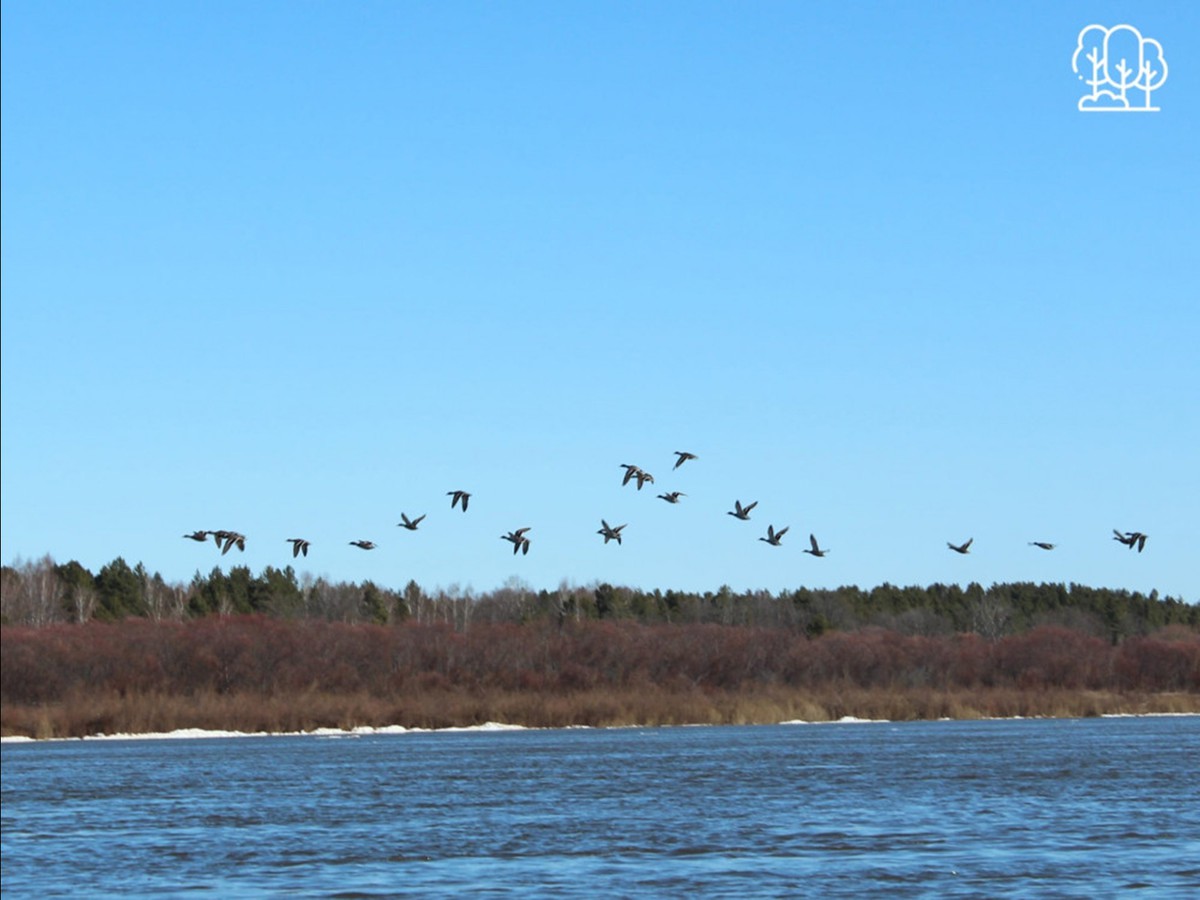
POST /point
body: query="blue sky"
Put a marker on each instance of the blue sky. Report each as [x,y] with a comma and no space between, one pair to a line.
[292,269]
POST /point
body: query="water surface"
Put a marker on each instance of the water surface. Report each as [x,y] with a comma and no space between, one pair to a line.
[1035,808]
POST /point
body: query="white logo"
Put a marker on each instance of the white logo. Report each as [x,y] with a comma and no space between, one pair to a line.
[1125,68]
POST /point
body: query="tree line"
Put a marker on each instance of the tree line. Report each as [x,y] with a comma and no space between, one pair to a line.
[43,592]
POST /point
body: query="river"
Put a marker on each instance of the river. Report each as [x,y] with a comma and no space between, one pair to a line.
[1014,808]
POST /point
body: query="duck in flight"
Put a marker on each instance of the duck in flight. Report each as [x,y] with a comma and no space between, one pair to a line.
[200,536]
[774,537]
[411,524]
[637,472]
[960,548]
[610,532]
[741,512]
[519,541]
[457,497]
[816,550]
[672,497]
[299,545]
[1130,538]
[684,456]
[1045,545]
[365,545]
[229,539]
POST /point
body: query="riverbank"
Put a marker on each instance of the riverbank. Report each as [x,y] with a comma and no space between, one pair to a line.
[155,713]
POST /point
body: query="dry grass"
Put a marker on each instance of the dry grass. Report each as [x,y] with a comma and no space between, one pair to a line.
[147,713]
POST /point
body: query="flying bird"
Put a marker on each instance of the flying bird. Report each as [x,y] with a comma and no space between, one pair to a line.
[299,545]
[365,545]
[1131,538]
[637,472]
[519,541]
[741,512]
[457,497]
[200,536]
[672,497]
[610,532]
[684,456]
[816,550]
[411,524]
[774,537]
[1045,545]
[1127,539]
[960,548]
[226,540]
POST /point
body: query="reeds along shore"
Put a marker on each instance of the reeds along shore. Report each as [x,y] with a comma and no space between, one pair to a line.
[256,674]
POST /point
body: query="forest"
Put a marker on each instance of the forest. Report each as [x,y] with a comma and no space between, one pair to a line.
[43,592]
[122,651]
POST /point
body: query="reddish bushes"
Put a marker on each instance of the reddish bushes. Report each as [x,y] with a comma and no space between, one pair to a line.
[268,657]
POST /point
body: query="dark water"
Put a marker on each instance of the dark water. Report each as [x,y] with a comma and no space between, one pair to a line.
[1046,808]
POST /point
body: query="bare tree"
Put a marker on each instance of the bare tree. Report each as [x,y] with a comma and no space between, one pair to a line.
[991,615]
[33,593]
[83,602]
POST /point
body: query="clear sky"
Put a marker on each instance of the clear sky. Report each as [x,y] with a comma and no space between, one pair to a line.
[291,269]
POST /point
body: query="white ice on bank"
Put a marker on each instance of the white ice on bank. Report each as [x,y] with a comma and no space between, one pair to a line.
[191,733]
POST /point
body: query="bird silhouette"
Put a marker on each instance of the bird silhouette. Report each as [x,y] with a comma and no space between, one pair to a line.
[365,545]
[684,456]
[610,532]
[1131,539]
[774,537]
[411,524]
[1045,545]
[519,541]
[816,550]
[201,536]
[672,497]
[637,472]
[1127,539]
[960,548]
[299,545]
[457,497]
[226,540]
[741,512]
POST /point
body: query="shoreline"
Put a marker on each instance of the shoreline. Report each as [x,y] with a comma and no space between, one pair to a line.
[187,734]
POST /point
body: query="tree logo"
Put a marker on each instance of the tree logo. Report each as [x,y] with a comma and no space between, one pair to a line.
[1125,69]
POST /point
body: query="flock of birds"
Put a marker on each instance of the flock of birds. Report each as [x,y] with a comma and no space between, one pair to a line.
[226,540]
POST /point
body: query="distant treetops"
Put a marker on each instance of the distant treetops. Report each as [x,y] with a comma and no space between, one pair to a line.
[521,543]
